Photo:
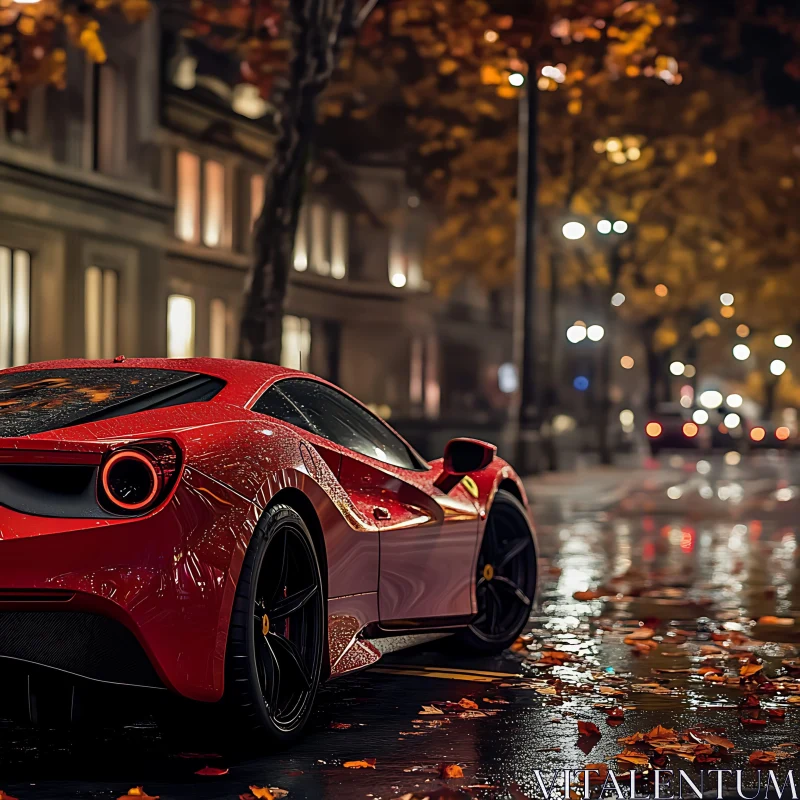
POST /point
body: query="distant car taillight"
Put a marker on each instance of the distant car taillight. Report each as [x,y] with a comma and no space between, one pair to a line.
[782,433]
[135,478]
[653,430]
[690,429]
[758,434]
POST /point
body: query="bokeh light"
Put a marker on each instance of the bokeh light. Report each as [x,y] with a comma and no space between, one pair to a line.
[595,332]
[734,400]
[677,368]
[626,362]
[758,434]
[661,290]
[700,416]
[690,429]
[726,298]
[742,331]
[576,333]
[741,352]
[777,367]
[783,340]
[732,458]
[782,433]
[732,421]
[618,299]
[727,312]
[581,383]
[604,226]
[573,230]
[711,399]
[653,429]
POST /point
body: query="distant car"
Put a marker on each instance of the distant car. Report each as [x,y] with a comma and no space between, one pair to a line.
[771,436]
[672,428]
[220,527]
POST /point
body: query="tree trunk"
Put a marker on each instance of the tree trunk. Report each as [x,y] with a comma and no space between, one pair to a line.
[315,29]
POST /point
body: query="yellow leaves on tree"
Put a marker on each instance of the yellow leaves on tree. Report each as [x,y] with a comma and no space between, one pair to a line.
[31,57]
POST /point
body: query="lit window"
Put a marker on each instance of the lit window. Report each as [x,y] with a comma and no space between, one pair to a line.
[218,329]
[15,302]
[295,342]
[417,369]
[110,120]
[432,387]
[319,239]
[187,210]
[214,203]
[256,198]
[100,312]
[339,231]
[301,242]
[180,326]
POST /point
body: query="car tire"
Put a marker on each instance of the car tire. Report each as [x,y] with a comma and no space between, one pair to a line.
[505,579]
[274,668]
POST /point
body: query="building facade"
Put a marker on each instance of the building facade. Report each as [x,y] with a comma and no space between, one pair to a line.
[127,202]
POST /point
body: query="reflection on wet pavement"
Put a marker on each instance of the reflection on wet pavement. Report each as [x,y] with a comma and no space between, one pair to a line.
[676,606]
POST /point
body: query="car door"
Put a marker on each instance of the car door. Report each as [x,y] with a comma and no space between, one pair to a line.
[427,538]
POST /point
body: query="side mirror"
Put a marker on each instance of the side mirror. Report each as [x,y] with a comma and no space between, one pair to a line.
[462,456]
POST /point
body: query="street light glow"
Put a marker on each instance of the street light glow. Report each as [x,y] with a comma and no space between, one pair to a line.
[516,79]
[677,368]
[491,36]
[626,362]
[741,352]
[620,226]
[604,226]
[661,290]
[783,340]
[700,416]
[398,280]
[732,421]
[742,331]
[613,144]
[618,299]
[711,399]
[573,230]
[777,367]
[726,298]
[690,371]
[576,333]
[734,400]
[596,332]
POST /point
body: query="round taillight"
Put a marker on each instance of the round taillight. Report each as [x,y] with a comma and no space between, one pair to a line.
[653,429]
[690,429]
[131,480]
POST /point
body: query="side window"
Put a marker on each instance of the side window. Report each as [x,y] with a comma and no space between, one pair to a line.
[274,403]
[330,414]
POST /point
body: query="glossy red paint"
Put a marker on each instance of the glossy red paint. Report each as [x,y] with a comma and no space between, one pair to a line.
[170,575]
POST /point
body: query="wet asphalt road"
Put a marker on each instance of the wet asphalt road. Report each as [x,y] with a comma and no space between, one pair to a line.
[685,557]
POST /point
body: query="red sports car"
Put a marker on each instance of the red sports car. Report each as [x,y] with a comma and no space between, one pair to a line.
[236,531]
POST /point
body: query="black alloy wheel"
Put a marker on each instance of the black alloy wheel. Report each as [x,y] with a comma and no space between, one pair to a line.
[506,577]
[277,634]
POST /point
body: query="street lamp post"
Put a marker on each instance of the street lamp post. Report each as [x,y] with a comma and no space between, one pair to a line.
[525,416]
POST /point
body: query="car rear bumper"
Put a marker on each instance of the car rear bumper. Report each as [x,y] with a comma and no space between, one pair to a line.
[80,643]
[140,602]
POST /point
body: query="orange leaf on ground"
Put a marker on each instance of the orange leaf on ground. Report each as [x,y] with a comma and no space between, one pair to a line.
[763,757]
[633,757]
[430,710]
[641,633]
[554,658]
[718,741]
[4,796]
[588,595]
[213,771]
[135,791]
[588,729]
[776,713]
[465,702]
[661,734]
[794,700]
[602,769]
[788,621]
[262,793]
[750,669]
[451,771]
[364,763]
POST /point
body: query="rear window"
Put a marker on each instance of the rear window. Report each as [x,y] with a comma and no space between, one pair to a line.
[43,400]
